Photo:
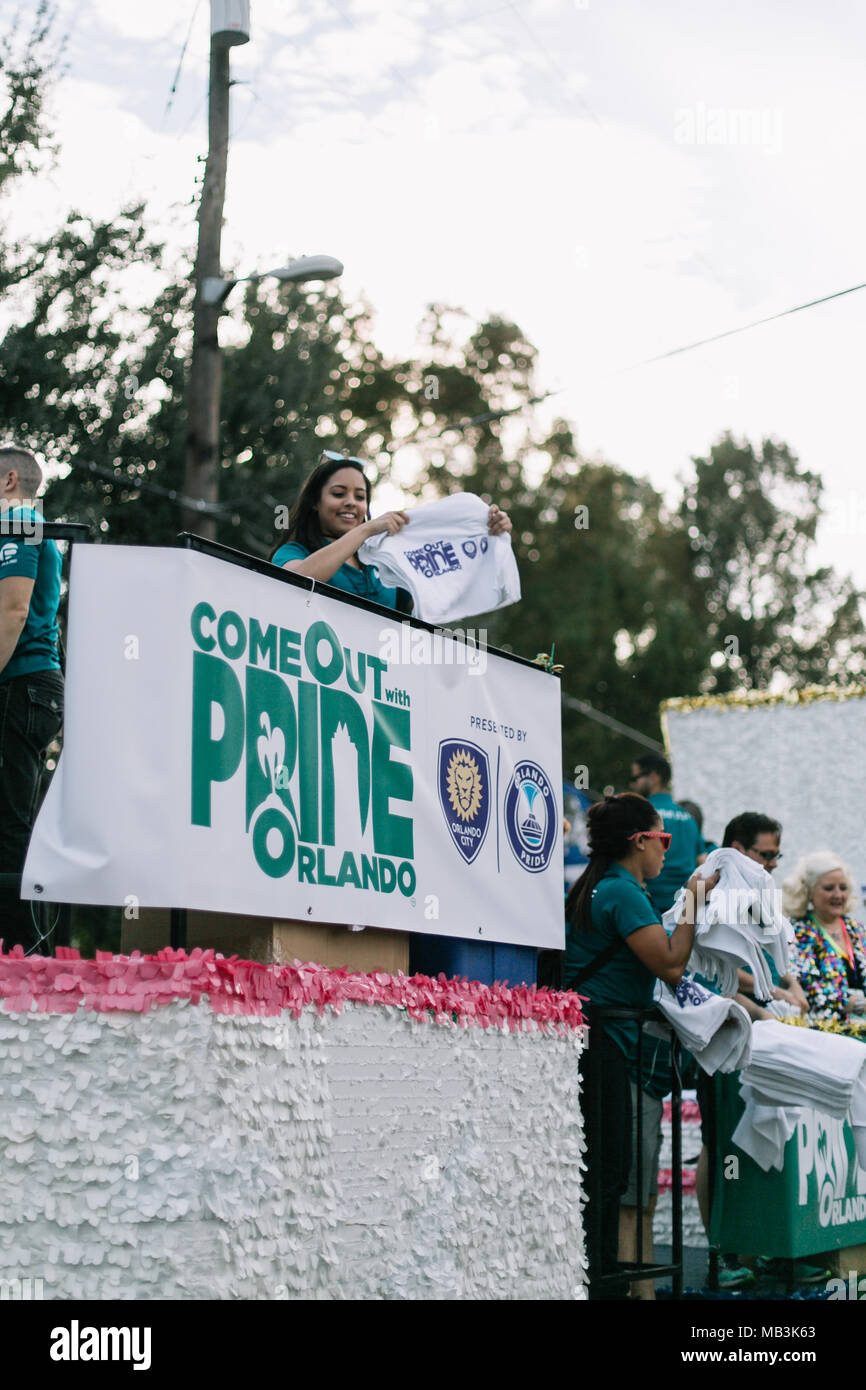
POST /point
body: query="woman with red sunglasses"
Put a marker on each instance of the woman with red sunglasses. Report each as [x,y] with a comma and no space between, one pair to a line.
[618,946]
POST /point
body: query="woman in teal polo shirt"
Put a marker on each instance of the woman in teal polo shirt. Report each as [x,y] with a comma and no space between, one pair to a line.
[330,522]
[618,946]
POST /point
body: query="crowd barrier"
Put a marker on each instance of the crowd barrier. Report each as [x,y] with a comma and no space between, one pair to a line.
[639,1269]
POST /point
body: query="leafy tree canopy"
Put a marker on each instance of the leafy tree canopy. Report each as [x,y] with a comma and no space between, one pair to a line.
[642,603]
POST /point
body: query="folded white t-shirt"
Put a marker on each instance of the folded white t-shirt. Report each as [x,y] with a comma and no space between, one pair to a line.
[717,1031]
[793,1067]
[447,559]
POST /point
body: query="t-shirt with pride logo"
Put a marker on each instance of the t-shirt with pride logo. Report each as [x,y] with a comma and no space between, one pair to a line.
[448,560]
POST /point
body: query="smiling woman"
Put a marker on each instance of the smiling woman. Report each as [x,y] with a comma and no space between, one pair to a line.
[830,944]
[330,522]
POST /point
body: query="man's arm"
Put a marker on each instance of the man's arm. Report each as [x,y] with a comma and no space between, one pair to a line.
[755,1011]
[788,988]
[15,594]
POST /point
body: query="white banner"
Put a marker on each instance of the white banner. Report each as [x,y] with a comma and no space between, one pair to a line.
[236,743]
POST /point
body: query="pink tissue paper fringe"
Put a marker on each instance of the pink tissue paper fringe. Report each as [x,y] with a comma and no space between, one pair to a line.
[63,983]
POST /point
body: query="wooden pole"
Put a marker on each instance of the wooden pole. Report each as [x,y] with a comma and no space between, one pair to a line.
[201,476]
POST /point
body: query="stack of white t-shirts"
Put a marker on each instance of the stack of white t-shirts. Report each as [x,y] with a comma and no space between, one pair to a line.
[739,920]
[764,1130]
[795,1067]
[715,1030]
[783,1008]
[447,559]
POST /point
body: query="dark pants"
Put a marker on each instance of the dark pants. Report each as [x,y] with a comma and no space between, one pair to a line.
[31,714]
[608,1152]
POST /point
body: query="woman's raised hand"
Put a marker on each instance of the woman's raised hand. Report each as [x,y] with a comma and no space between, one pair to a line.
[498,522]
[392,522]
[700,894]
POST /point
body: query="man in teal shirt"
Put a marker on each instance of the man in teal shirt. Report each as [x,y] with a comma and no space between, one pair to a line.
[651,777]
[31,682]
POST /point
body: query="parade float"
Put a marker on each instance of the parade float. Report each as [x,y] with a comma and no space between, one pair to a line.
[187,1123]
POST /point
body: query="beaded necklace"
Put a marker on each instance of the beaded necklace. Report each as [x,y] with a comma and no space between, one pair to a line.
[846,950]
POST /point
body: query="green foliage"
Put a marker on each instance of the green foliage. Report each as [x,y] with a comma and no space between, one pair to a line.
[751,518]
[27,68]
[74,358]
[303,375]
[641,603]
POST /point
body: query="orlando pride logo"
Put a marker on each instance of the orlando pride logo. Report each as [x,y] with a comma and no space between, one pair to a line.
[531,817]
[464,794]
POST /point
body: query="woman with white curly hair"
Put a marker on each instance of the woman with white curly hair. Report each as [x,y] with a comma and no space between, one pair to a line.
[830,944]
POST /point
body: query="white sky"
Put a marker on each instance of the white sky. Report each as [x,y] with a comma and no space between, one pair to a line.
[559,162]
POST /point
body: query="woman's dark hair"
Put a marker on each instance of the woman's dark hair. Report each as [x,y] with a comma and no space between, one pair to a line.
[609,823]
[303,521]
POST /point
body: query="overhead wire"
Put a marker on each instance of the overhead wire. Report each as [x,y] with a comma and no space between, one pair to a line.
[176,79]
[661,357]
[583,707]
[744,328]
[560,75]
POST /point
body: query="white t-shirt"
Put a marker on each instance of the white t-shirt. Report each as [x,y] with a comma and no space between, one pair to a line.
[447,559]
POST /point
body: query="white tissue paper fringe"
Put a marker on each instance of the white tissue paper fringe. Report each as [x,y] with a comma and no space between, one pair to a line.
[183,1154]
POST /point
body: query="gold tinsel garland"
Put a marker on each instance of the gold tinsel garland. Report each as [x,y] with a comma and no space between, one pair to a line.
[749,699]
[754,699]
[848,1029]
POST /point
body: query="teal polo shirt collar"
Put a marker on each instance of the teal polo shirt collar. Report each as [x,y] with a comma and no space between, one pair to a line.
[620,871]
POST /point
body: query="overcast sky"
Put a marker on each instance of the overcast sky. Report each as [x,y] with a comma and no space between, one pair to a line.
[619,178]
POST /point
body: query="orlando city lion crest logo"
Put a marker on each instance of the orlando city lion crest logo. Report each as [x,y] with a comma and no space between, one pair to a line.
[464,794]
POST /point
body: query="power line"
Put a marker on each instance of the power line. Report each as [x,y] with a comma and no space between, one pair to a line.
[497,414]
[176,78]
[662,357]
[468,19]
[744,328]
[560,75]
[582,707]
[143,485]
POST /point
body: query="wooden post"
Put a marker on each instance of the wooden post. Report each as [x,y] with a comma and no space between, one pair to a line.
[201,477]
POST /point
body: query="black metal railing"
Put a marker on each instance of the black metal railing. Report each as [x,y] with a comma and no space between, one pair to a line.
[601,1283]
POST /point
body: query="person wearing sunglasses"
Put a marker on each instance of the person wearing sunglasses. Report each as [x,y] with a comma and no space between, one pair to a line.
[616,949]
[330,522]
[758,837]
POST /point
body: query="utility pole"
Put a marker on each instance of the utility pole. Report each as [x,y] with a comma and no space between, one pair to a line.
[201,475]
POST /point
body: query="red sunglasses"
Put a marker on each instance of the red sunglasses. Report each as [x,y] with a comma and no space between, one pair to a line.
[663,835]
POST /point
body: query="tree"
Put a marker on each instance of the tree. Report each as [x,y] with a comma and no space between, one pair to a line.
[751,518]
[605,576]
[641,603]
[68,375]
[27,69]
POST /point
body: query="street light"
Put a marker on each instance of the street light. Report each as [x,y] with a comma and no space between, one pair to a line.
[215,290]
